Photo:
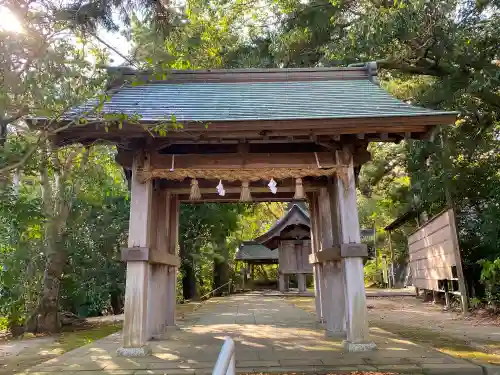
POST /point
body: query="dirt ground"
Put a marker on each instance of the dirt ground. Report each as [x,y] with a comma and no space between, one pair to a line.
[413,312]
[474,337]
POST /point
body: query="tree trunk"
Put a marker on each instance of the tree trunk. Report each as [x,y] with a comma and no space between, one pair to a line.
[57,203]
[221,269]
[116,301]
[188,274]
[47,319]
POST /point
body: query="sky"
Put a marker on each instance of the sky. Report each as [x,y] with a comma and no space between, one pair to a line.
[115,39]
[119,42]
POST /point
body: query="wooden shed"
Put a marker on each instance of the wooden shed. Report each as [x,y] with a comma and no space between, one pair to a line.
[291,237]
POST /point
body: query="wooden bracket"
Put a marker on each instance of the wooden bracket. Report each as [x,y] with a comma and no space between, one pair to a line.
[135,254]
[145,254]
[325,255]
[353,250]
[334,254]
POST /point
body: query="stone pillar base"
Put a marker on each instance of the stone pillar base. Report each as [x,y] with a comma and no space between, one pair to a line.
[142,351]
[354,347]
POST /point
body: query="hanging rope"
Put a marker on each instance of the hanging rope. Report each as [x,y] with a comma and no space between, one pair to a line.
[299,189]
[195,193]
[246,195]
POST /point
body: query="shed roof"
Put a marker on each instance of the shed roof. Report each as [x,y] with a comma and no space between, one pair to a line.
[254,251]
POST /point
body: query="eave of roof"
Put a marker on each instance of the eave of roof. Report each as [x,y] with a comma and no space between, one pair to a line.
[251,250]
[402,219]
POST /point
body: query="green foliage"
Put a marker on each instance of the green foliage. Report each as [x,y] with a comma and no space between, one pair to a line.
[73,202]
[490,277]
[96,229]
[21,261]
[475,303]
[209,236]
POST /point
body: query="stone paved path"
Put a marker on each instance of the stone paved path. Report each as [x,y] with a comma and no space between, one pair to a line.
[271,336]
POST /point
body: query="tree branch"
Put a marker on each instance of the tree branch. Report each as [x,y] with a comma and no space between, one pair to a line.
[24,159]
[411,69]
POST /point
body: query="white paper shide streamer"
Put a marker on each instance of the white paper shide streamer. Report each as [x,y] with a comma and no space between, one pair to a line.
[220,189]
[273,186]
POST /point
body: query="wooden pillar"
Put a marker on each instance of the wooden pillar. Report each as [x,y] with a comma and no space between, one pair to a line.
[135,327]
[172,230]
[157,300]
[281,282]
[446,295]
[301,282]
[317,271]
[390,267]
[356,311]
[151,264]
[158,272]
[333,272]
[163,274]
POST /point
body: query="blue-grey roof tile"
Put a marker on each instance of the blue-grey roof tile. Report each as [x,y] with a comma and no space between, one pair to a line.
[238,101]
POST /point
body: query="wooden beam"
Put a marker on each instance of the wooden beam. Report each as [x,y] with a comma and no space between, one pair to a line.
[233,161]
[237,190]
[232,197]
[249,161]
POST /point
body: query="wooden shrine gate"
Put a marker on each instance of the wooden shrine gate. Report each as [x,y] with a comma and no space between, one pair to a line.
[306,130]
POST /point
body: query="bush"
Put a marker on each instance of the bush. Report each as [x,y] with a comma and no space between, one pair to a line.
[372,275]
[490,278]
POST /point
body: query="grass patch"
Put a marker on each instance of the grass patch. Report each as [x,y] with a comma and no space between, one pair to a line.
[439,341]
[71,340]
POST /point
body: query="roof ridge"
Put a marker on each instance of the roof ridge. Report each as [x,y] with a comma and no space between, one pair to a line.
[120,75]
[131,71]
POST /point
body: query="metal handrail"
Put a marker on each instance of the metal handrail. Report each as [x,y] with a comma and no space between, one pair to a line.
[216,289]
[226,364]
